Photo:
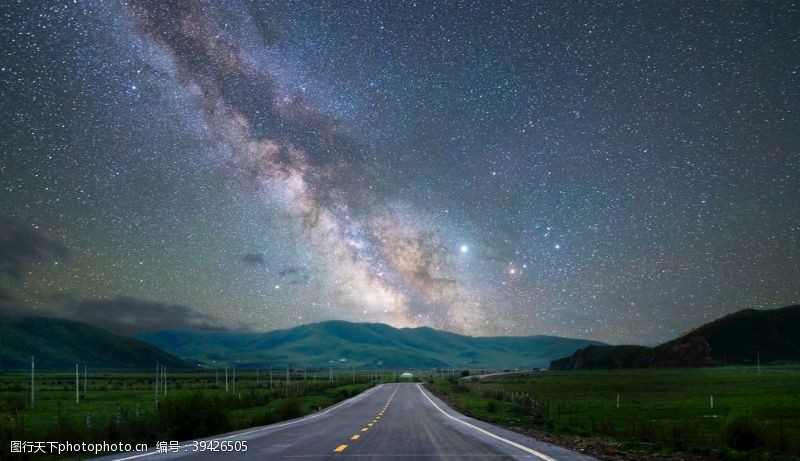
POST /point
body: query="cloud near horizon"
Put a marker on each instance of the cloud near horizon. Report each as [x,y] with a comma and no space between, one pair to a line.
[129,315]
[254,259]
[123,314]
[22,246]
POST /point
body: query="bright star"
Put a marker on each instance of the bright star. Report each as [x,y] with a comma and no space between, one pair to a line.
[464,248]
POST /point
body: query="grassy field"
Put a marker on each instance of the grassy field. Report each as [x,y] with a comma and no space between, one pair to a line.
[755,414]
[659,410]
[121,407]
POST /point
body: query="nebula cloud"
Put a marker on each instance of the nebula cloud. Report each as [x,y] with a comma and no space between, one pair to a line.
[376,266]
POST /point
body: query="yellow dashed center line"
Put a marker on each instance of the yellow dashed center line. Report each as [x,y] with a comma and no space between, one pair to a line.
[342,447]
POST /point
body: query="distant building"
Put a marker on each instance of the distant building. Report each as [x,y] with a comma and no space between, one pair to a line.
[406,375]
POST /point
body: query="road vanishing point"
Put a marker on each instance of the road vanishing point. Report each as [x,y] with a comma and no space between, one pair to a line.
[386,422]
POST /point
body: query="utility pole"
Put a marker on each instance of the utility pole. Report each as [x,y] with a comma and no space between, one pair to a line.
[287,375]
[165,380]
[270,377]
[84,382]
[156,382]
[234,378]
[77,385]
[216,374]
[226,378]
[353,368]
[33,397]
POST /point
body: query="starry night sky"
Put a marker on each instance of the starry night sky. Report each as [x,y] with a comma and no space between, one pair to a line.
[620,171]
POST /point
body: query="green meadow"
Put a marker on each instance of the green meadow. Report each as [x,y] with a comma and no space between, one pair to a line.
[755,413]
[121,407]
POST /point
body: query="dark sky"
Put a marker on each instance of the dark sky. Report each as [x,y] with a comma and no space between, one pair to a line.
[621,171]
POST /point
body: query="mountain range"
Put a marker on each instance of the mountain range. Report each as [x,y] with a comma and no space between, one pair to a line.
[362,345]
[745,337]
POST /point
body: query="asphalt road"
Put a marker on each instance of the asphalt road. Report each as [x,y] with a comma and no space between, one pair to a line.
[388,422]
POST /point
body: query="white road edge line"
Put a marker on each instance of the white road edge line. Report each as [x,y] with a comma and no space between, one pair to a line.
[274,426]
[510,442]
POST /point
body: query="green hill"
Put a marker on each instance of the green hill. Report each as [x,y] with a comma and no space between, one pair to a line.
[741,338]
[59,344]
[602,357]
[362,344]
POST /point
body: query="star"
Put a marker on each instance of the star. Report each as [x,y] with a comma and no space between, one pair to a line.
[219,158]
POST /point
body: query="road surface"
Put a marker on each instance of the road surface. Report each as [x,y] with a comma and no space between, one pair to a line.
[387,422]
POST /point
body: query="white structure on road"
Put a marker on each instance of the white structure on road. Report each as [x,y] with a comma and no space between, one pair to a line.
[406,375]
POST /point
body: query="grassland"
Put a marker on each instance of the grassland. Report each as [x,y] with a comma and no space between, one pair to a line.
[755,414]
[121,407]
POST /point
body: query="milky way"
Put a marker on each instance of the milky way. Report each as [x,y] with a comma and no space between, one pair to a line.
[379,267]
[619,172]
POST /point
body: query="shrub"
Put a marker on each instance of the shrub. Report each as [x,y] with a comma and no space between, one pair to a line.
[10,429]
[743,432]
[193,416]
[262,418]
[491,406]
[288,408]
[14,403]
